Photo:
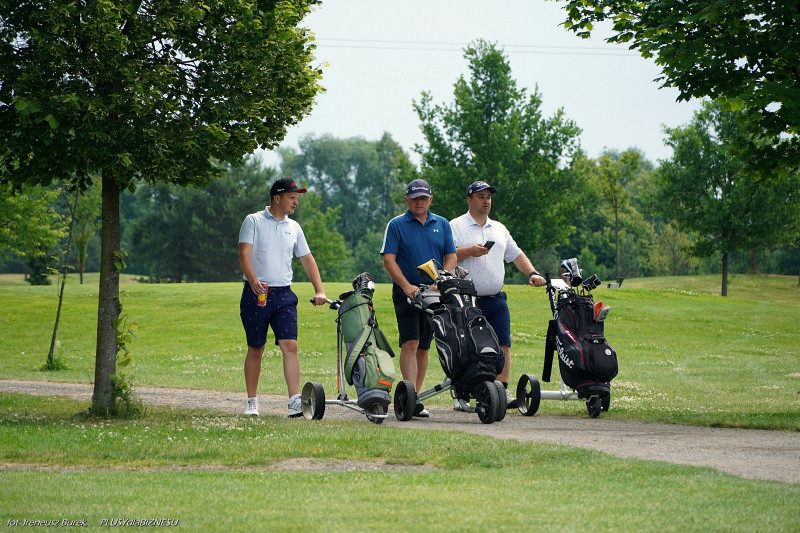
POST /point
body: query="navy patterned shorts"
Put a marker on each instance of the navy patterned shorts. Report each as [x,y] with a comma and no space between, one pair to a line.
[280,314]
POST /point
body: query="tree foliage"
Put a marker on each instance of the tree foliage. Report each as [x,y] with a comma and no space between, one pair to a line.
[743,52]
[154,91]
[191,233]
[713,195]
[612,178]
[327,245]
[87,223]
[363,177]
[495,132]
[29,224]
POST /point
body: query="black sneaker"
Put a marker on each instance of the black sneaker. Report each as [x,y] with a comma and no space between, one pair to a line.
[421,412]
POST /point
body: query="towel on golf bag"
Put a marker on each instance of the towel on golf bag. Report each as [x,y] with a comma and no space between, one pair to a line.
[468,348]
[585,358]
[368,364]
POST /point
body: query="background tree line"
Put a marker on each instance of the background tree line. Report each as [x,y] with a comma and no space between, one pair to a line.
[701,211]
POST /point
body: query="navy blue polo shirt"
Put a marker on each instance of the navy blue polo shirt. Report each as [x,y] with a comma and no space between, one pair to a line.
[415,244]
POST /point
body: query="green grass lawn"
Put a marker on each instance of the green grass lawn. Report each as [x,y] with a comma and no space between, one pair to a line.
[686,355]
[218,472]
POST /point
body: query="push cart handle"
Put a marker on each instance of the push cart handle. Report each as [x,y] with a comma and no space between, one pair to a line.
[335,304]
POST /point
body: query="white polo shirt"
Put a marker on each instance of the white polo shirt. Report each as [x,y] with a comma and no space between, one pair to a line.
[274,243]
[486,272]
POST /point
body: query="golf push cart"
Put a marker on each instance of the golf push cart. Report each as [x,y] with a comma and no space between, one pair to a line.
[586,361]
[363,358]
[468,349]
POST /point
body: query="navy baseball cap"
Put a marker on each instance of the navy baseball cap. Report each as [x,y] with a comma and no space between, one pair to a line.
[284,185]
[418,188]
[480,186]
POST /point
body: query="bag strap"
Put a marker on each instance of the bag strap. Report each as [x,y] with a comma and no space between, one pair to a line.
[549,350]
[357,348]
[363,337]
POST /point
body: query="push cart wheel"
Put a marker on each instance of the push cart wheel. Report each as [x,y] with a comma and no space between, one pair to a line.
[594,404]
[376,409]
[312,400]
[606,403]
[529,394]
[405,400]
[502,401]
[486,402]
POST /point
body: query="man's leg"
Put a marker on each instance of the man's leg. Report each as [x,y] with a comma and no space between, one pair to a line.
[421,359]
[503,376]
[291,365]
[408,361]
[252,370]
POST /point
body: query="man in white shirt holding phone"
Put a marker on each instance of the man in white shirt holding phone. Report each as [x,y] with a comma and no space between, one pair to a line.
[483,246]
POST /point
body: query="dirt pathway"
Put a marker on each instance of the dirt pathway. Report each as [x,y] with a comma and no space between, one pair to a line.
[755,454]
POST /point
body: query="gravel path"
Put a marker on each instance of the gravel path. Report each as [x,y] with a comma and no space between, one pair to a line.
[755,454]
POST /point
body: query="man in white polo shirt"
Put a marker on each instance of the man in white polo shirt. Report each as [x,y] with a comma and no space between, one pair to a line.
[267,241]
[483,246]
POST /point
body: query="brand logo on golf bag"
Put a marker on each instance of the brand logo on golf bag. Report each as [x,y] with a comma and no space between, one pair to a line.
[562,355]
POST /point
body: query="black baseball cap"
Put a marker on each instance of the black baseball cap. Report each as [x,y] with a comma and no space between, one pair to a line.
[479,186]
[284,185]
[418,188]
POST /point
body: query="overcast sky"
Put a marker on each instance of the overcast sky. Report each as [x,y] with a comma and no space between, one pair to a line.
[381,55]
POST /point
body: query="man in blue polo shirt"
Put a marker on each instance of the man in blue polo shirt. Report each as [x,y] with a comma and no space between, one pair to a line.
[267,241]
[411,239]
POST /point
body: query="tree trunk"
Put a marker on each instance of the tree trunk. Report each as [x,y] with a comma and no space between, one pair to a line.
[51,353]
[725,273]
[108,305]
[616,237]
[753,262]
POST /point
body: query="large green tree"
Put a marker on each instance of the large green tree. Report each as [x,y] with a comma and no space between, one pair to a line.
[151,90]
[746,52]
[714,196]
[495,132]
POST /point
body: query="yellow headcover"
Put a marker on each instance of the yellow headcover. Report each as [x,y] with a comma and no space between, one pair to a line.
[428,270]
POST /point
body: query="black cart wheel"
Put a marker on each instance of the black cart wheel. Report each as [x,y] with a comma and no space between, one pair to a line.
[606,403]
[486,401]
[376,409]
[405,400]
[594,405]
[529,394]
[312,400]
[502,401]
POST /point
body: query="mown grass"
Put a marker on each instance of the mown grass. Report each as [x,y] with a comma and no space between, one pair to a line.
[686,354]
[220,473]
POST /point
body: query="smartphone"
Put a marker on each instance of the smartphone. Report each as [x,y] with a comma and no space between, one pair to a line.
[489,244]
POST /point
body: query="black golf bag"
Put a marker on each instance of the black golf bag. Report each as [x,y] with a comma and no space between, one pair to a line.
[368,364]
[468,348]
[586,361]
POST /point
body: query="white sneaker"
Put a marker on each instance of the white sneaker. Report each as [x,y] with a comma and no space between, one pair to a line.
[251,409]
[462,406]
[295,407]
[511,401]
